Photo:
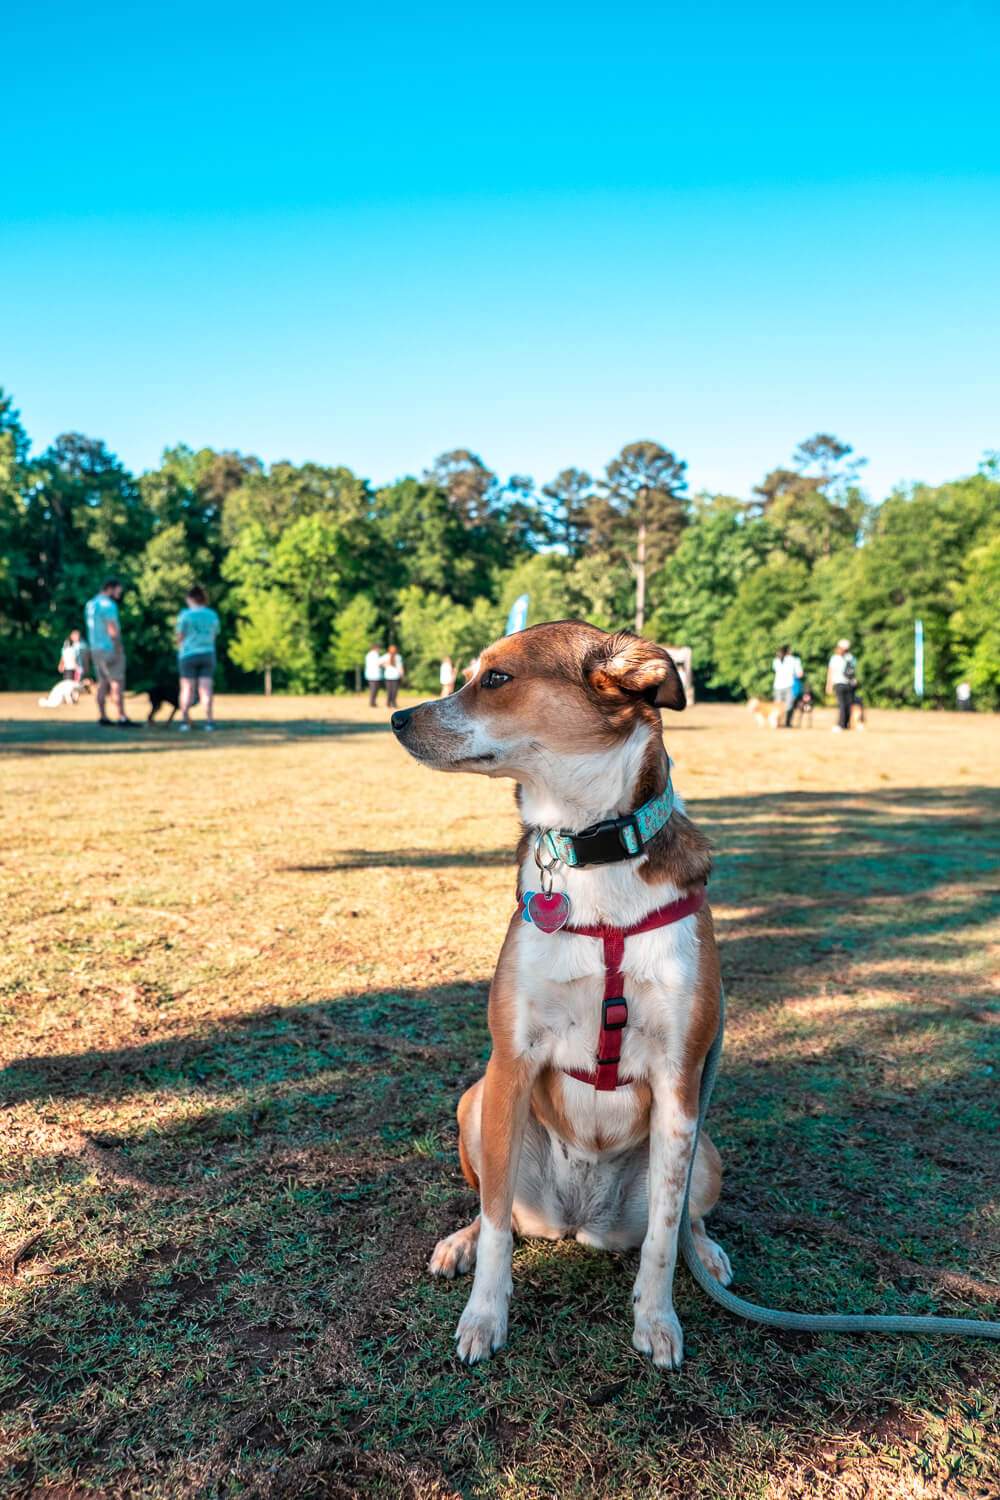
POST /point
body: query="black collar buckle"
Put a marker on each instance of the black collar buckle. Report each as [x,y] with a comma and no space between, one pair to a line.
[605,843]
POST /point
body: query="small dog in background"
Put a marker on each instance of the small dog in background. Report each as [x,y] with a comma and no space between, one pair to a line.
[162,689]
[62,693]
[772,714]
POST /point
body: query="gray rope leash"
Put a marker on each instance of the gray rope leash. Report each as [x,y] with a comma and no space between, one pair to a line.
[801,1322]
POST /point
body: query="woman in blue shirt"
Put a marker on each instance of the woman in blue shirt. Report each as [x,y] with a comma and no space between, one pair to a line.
[197,629]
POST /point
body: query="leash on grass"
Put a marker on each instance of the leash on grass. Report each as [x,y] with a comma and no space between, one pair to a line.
[775,1317]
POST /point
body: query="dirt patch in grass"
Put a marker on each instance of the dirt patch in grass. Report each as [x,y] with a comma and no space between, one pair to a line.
[241,991]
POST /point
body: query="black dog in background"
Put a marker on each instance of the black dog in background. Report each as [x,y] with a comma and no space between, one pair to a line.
[161,689]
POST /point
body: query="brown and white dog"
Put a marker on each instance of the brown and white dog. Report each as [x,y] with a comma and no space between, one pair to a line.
[572,714]
[771,713]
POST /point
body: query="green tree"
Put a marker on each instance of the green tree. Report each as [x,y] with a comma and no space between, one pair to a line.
[191,488]
[914,553]
[570,498]
[640,515]
[17,566]
[693,590]
[815,507]
[753,626]
[975,625]
[421,541]
[85,519]
[308,562]
[602,591]
[165,570]
[546,578]
[432,627]
[271,637]
[355,630]
[469,487]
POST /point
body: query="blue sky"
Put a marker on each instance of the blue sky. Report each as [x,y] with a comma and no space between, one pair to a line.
[365,235]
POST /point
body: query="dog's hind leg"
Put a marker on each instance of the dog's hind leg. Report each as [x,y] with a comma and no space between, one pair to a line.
[706,1182]
[456,1253]
[712,1256]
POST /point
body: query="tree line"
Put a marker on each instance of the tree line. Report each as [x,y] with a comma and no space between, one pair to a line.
[308,565]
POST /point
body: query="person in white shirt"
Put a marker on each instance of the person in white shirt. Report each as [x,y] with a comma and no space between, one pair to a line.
[787,681]
[373,674]
[73,658]
[447,676]
[392,671]
[841,678]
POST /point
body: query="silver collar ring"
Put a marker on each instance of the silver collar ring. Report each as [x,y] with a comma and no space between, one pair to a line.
[546,866]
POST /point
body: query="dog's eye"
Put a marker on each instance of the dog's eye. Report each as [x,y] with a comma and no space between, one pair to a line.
[493,679]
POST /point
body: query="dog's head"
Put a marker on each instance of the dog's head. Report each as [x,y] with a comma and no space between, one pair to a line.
[552,691]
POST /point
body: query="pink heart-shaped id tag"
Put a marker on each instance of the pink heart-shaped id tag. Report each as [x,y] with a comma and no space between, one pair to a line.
[548,912]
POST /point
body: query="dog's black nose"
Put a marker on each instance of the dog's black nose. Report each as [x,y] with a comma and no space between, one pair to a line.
[400,719]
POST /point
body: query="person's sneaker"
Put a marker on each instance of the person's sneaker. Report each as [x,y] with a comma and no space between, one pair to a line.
[184,728]
[106,723]
[126,724]
[836,729]
[208,727]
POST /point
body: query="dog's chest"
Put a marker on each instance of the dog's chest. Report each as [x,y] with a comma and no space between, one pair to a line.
[560,990]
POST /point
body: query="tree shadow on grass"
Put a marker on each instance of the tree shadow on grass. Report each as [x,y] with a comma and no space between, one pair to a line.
[23,737]
[278,1232]
[388,859]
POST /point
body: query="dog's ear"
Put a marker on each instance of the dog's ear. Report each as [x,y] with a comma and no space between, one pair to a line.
[629,665]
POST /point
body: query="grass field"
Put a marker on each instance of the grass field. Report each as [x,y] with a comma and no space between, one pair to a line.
[242,985]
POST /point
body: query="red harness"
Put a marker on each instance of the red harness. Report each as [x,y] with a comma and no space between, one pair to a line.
[614,1010]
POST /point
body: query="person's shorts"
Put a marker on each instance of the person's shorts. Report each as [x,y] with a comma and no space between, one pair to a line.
[109,666]
[199,664]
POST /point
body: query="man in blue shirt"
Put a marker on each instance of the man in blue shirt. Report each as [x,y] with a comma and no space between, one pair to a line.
[107,653]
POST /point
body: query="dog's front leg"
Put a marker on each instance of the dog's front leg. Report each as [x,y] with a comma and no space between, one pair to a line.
[671,1141]
[482,1327]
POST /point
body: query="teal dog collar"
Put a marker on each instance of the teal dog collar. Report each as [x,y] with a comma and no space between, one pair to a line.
[615,838]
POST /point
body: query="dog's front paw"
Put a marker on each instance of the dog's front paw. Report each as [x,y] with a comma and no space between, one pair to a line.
[660,1337]
[480,1332]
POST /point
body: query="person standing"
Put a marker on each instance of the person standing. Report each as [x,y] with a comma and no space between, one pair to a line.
[787,677]
[798,678]
[963,697]
[197,632]
[373,674]
[447,676]
[107,651]
[392,670]
[71,662]
[841,678]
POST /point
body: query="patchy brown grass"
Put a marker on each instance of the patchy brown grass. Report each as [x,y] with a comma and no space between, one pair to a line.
[242,984]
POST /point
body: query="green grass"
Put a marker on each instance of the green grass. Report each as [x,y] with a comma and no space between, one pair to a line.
[242,985]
